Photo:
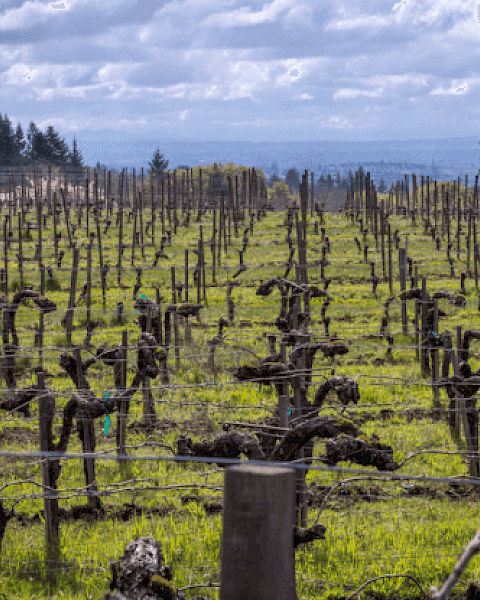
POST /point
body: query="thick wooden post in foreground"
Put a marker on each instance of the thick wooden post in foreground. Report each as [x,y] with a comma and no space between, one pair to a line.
[258,560]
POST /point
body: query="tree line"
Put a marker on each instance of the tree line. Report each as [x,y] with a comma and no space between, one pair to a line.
[292,180]
[36,148]
[48,148]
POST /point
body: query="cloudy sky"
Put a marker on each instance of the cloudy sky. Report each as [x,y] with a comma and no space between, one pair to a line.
[230,70]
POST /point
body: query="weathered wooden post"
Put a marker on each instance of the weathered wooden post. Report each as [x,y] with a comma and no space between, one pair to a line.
[259,507]
[71,302]
[403,286]
[46,407]
[123,408]
[88,437]
[175,319]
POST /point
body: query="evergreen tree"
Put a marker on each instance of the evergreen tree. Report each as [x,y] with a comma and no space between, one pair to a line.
[273,180]
[329,182]
[19,143]
[7,142]
[75,157]
[37,148]
[292,179]
[57,148]
[158,165]
[274,168]
[382,187]
[338,180]
[75,161]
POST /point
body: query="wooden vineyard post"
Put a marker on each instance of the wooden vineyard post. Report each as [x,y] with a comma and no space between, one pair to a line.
[284,399]
[100,251]
[20,249]
[456,371]
[120,232]
[213,245]
[461,413]
[5,251]
[202,263]
[67,218]
[469,241]
[149,415]
[186,275]
[71,302]
[199,272]
[89,279]
[88,441]
[175,319]
[152,210]
[188,331]
[257,525]
[425,364]
[417,332]
[46,408]
[390,262]
[135,216]
[403,286]
[123,408]
[435,361]
[382,238]
[39,229]
[55,219]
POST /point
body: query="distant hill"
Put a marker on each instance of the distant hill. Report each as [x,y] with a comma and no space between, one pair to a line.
[446,158]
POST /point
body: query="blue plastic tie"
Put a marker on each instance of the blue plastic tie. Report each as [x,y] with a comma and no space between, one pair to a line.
[144,298]
[107,418]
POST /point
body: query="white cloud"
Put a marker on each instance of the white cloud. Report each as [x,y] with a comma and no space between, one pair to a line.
[457,87]
[246,65]
[348,93]
[22,74]
[244,16]
[29,14]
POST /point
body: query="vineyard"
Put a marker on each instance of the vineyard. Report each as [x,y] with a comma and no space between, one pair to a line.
[156,332]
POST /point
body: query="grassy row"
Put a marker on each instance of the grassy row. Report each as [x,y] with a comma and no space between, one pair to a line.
[396,533]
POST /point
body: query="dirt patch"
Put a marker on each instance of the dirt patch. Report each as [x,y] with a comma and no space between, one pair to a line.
[17,434]
[89,514]
[350,494]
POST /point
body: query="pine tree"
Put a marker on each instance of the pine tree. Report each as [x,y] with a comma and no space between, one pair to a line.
[19,143]
[273,180]
[158,165]
[292,179]
[36,150]
[75,156]
[75,161]
[7,146]
[274,168]
[382,187]
[57,148]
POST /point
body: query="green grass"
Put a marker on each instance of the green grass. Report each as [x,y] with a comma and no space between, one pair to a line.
[394,533]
